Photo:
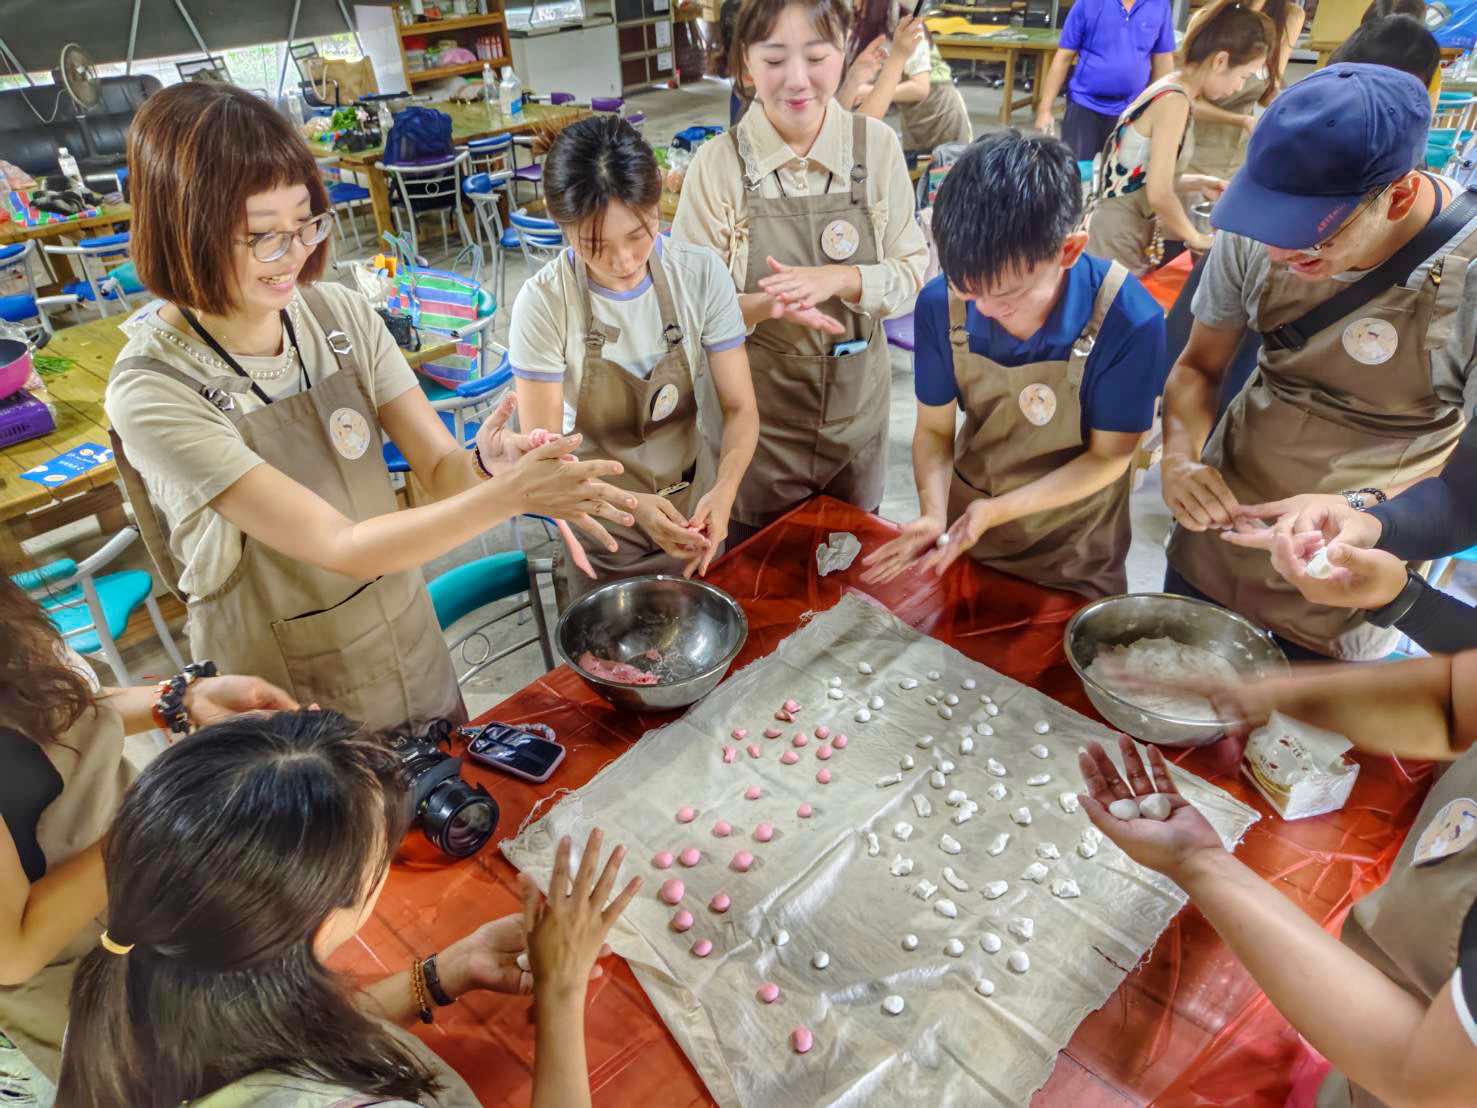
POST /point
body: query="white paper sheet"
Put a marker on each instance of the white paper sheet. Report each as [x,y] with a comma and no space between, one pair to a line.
[951,1046]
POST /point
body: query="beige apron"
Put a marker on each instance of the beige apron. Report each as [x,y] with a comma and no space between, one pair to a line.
[1220,148]
[649,426]
[374,650]
[822,418]
[1317,420]
[1000,447]
[94,773]
[1409,928]
[280,1090]
[1124,227]
[938,118]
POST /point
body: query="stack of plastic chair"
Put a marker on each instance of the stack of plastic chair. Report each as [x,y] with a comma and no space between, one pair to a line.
[100,260]
[90,611]
[25,308]
[540,240]
[533,172]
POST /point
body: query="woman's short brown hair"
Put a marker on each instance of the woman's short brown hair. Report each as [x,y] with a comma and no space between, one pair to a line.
[196,152]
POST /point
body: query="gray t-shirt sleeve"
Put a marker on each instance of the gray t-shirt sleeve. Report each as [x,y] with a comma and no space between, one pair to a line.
[1231,283]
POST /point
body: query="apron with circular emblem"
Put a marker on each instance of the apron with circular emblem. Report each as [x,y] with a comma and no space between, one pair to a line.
[939,117]
[1220,148]
[1020,424]
[371,650]
[89,759]
[1354,408]
[822,417]
[1410,927]
[649,426]
[1123,226]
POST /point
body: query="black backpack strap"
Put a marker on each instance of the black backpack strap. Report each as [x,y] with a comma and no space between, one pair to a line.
[1395,270]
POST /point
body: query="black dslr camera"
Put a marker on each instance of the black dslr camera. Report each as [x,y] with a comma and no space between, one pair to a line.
[457,817]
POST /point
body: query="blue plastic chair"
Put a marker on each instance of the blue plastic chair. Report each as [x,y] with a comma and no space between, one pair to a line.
[539,239]
[90,612]
[28,309]
[459,592]
[95,287]
[491,155]
[484,191]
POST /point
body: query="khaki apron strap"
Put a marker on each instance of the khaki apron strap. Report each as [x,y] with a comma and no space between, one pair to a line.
[597,334]
[338,339]
[859,160]
[671,324]
[1107,293]
[958,329]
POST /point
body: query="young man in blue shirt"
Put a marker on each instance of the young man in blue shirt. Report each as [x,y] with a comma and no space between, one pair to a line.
[1119,46]
[1057,361]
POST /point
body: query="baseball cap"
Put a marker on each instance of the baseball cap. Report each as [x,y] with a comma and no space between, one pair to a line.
[1319,149]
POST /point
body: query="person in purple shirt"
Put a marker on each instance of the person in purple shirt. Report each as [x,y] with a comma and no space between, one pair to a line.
[1118,46]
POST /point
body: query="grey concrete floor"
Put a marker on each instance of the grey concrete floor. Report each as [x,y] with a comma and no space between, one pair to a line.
[668,111]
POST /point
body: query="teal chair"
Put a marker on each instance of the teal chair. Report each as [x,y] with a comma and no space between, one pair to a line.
[459,592]
[90,611]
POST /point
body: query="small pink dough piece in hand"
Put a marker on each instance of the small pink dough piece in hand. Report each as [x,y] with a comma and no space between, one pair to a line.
[690,857]
[753,792]
[823,732]
[772,732]
[743,861]
[723,829]
[764,832]
[824,777]
[805,811]
[686,814]
[801,1040]
[840,741]
[729,754]
[823,753]
[800,739]
[702,948]
[755,750]
[789,758]
[740,734]
[672,890]
[792,706]
[768,992]
[682,920]
[663,860]
[720,902]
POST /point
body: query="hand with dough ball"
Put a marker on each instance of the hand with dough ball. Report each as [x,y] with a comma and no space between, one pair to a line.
[1173,846]
[710,520]
[1355,577]
[1256,525]
[668,527]
[806,286]
[550,481]
[967,530]
[896,557]
[499,445]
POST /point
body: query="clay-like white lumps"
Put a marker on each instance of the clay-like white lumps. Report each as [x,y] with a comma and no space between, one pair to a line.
[876,703]
[906,761]
[1155,806]
[969,684]
[834,682]
[523,963]
[948,909]
[781,937]
[933,675]
[953,948]
[924,742]
[925,889]
[954,880]
[1022,927]
[992,708]
[983,728]
[1022,816]
[995,768]
[1039,779]
[873,846]
[820,959]
[922,806]
[893,1005]
[1065,888]
[1040,751]
[864,668]
[862,715]
[1019,961]
[1069,802]
[945,712]
[966,745]
[949,845]
[985,987]
[990,943]
[994,890]
[951,699]
[997,791]
[910,942]
[907,684]
[998,844]
[1036,872]
[672,890]
[835,694]
[1126,808]
[956,797]
[937,779]
[890,779]
[901,866]
[1047,852]
[1042,727]
[902,831]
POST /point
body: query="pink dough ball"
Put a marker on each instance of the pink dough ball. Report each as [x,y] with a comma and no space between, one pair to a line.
[702,948]
[800,739]
[764,832]
[792,705]
[686,814]
[723,828]
[840,741]
[729,754]
[753,792]
[742,861]
[823,732]
[720,902]
[691,856]
[823,753]
[801,1040]
[824,777]
[772,732]
[663,860]
[682,920]
[740,734]
[768,992]
[672,890]
[805,811]
[789,758]
[754,750]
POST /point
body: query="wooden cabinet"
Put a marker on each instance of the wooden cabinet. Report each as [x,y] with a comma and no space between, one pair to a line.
[465,30]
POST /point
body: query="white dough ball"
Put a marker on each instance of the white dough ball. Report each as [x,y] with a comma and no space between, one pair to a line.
[1155,806]
[1127,808]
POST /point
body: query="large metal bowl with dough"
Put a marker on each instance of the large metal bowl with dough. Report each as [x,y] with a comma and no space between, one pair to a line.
[684,632]
[1121,620]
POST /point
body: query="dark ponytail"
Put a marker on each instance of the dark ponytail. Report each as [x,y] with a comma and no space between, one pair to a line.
[228,854]
[1226,25]
[593,162]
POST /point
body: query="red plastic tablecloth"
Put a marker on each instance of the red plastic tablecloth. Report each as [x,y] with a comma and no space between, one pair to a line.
[1187,1027]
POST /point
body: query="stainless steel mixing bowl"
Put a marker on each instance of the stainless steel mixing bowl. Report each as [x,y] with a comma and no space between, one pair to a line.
[696,630]
[1120,620]
[1200,216]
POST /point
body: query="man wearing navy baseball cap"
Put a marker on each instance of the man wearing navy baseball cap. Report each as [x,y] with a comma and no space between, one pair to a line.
[1352,263]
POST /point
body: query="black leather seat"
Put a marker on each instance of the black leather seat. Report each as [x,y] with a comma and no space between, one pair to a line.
[32,144]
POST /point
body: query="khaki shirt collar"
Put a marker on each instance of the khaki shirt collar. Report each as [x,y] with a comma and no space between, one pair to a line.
[832,149]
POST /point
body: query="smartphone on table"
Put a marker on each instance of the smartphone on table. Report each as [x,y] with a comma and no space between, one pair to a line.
[519,751]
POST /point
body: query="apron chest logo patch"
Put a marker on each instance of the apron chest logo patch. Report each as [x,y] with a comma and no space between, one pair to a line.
[1451,832]
[1370,341]
[1038,404]
[839,240]
[348,430]
[665,403]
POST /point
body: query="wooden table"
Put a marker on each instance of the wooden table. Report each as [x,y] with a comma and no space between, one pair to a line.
[1188,1026]
[1037,44]
[28,509]
[468,121]
[106,221]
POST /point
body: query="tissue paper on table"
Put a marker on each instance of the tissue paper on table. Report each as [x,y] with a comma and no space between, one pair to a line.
[1299,768]
[838,553]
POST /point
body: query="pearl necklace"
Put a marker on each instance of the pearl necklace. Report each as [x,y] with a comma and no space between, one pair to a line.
[282,363]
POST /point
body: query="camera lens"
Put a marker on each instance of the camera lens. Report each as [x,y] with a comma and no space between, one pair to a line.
[459,818]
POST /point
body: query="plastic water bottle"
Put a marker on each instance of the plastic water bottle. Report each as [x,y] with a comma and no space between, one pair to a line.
[296,109]
[68,166]
[510,93]
[489,84]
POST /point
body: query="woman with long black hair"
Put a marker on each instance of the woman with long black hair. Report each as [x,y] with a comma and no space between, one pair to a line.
[239,862]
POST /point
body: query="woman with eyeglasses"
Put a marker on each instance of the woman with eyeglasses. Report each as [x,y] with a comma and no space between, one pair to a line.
[250,407]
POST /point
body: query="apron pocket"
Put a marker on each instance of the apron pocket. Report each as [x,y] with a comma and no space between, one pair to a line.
[333,653]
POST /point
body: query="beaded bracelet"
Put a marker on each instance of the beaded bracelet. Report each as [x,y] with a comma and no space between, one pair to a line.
[432,978]
[418,987]
[481,465]
[169,708]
